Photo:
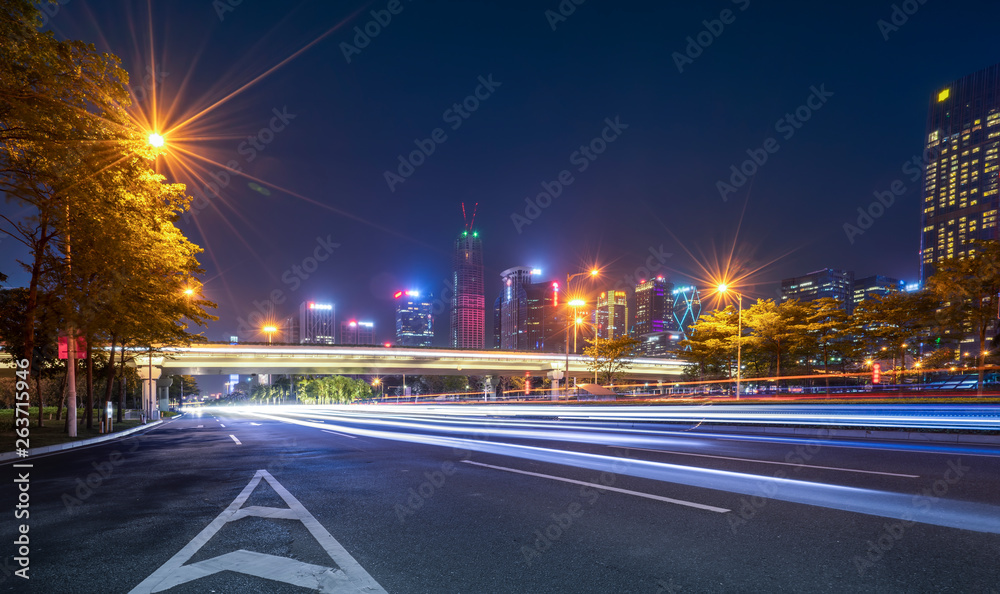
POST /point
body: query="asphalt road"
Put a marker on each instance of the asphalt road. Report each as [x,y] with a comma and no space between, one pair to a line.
[410,500]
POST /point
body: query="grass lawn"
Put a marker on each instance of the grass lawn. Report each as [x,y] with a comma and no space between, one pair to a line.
[52,433]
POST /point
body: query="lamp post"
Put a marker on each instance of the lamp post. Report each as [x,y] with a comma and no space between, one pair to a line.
[593,273]
[739,334]
[269,330]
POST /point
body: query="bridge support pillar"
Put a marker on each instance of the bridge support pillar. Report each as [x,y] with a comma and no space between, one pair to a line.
[149,372]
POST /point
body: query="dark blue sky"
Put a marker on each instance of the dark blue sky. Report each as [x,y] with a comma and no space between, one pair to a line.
[654,185]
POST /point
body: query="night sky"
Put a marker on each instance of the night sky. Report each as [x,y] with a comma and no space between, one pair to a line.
[653,189]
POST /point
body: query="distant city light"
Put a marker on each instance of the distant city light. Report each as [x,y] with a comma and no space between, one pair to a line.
[536,271]
[352,323]
[397,294]
[319,306]
[367,324]
[412,293]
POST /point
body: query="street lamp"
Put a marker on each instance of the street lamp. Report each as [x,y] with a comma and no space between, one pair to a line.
[723,289]
[592,273]
[269,330]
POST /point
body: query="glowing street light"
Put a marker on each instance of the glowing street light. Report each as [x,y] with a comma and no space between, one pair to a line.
[575,303]
[269,330]
[156,140]
[723,288]
[189,291]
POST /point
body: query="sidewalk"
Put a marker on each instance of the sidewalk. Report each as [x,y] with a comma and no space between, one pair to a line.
[7,456]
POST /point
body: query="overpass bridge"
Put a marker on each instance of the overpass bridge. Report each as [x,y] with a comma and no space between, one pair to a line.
[223,359]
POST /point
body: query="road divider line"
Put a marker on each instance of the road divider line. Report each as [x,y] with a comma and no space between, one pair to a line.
[200,427]
[718,510]
[772,462]
[238,442]
[340,434]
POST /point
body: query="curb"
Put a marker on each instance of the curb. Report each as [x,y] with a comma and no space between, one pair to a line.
[4,457]
[921,436]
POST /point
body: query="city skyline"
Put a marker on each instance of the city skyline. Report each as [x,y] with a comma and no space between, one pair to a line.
[343,246]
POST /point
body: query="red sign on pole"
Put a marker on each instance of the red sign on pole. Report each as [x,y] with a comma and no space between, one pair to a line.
[81,348]
[876,373]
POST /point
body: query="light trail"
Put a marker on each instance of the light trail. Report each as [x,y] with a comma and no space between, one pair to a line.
[947,513]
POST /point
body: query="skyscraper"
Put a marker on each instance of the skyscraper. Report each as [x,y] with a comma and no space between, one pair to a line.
[414,319]
[545,324]
[687,309]
[960,181]
[316,323]
[653,306]
[611,314]
[355,332]
[468,321]
[870,286]
[828,282]
[514,308]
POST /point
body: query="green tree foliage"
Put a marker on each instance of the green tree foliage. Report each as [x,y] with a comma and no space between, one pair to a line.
[968,289]
[330,389]
[778,330]
[712,344]
[610,358]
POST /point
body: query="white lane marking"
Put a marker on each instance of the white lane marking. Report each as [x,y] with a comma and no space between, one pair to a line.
[340,434]
[221,425]
[718,510]
[781,463]
[256,424]
[200,427]
[238,442]
[349,576]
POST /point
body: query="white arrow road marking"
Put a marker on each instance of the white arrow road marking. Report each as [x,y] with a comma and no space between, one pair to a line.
[238,442]
[349,578]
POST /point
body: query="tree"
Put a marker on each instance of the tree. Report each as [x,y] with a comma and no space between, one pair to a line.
[826,330]
[777,329]
[183,386]
[711,344]
[969,288]
[895,322]
[610,357]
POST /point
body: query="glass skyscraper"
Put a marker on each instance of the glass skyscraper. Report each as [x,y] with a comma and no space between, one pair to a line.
[960,181]
[468,315]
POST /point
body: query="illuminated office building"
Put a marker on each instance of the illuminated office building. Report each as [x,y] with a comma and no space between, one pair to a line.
[960,180]
[828,282]
[468,315]
[414,319]
[687,309]
[355,332]
[316,323]
[653,306]
[611,314]
[514,308]
[878,285]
